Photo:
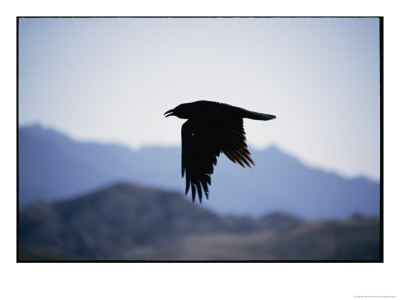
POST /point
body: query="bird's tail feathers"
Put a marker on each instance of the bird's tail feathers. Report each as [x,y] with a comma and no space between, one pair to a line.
[257,116]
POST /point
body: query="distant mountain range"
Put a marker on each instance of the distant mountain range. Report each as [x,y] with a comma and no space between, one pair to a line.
[53,166]
[129,222]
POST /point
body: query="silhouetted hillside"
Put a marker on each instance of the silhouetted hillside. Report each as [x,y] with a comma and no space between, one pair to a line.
[37,254]
[130,222]
[53,166]
[317,241]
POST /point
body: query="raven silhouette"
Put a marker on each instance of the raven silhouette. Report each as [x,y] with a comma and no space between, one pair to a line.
[211,128]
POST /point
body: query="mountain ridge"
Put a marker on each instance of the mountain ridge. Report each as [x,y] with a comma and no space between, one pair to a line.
[53,166]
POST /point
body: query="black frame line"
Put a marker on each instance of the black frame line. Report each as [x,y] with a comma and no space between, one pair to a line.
[200,17]
[381,54]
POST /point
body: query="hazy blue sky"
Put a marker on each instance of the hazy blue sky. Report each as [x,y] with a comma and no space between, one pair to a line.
[112,80]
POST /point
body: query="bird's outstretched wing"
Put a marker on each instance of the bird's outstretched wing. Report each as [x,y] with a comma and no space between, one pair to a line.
[202,144]
[199,155]
[233,142]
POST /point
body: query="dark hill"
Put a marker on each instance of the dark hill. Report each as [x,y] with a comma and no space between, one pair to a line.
[118,221]
[356,240]
[129,222]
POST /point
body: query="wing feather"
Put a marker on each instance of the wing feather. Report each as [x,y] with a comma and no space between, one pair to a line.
[202,142]
[199,155]
[234,143]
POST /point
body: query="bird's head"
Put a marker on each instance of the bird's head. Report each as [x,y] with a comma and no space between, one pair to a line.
[181,111]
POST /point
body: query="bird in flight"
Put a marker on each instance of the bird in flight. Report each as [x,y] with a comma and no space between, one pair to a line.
[211,128]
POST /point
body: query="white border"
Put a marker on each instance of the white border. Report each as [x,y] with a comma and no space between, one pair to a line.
[204,280]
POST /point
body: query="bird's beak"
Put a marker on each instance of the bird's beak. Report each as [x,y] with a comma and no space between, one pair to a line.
[169,113]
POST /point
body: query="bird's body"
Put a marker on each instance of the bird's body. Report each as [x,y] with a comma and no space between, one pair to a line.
[211,128]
